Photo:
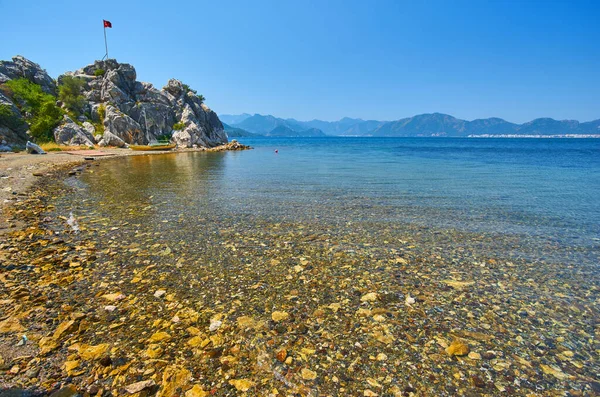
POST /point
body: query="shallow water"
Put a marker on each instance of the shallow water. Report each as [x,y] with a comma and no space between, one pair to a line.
[546,192]
[378,252]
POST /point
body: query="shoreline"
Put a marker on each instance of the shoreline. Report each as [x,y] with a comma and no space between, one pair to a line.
[20,171]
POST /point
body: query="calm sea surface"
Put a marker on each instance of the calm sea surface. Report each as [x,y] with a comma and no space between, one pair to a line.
[545,191]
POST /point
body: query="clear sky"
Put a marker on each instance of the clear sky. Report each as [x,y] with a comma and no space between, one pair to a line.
[327,59]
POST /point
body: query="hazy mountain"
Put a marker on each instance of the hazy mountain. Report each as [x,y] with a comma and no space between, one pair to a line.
[234,132]
[438,124]
[427,125]
[233,118]
[435,124]
[285,131]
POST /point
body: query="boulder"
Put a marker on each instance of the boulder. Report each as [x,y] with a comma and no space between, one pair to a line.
[123,127]
[109,139]
[70,133]
[89,127]
[22,67]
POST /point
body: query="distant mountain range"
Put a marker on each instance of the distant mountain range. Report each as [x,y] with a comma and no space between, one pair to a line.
[423,125]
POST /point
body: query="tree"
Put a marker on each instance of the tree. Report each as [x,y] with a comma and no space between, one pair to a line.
[69,93]
[39,108]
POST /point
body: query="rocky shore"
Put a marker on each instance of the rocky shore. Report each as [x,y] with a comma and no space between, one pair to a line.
[105,304]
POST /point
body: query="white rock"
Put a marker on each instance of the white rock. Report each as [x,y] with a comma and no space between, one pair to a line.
[214,325]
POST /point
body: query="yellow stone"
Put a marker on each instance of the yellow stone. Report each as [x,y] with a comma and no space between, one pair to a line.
[474,356]
[370,297]
[555,371]
[159,337]
[11,324]
[379,318]
[175,377]
[241,384]
[47,344]
[113,297]
[196,391]
[71,365]
[459,285]
[193,331]
[280,316]
[88,352]
[307,374]
[245,322]
[154,351]
[62,328]
[363,312]
[457,348]
[195,341]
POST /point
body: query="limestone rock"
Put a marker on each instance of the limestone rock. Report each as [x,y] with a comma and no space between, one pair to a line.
[21,67]
[70,133]
[123,127]
[14,129]
[138,113]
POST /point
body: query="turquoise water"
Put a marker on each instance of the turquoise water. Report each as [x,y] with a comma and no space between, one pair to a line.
[543,193]
[546,188]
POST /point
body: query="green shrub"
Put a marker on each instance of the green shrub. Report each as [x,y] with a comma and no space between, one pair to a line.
[99,72]
[102,112]
[178,126]
[44,114]
[10,119]
[42,124]
[163,138]
[201,97]
[69,92]
[188,89]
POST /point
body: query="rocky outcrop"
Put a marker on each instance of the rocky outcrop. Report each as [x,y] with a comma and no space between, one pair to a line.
[137,113]
[71,133]
[13,130]
[21,67]
[124,110]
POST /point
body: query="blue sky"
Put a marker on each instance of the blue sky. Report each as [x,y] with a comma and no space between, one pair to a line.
[378,59]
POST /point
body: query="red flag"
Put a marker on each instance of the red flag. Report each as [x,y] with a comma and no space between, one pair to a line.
[107,24]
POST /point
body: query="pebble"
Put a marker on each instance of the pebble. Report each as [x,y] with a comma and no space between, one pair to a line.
[457,348]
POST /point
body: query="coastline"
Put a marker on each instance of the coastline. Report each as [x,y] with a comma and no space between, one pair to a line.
[20,171]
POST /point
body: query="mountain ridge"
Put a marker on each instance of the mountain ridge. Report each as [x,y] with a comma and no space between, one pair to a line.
[424,125]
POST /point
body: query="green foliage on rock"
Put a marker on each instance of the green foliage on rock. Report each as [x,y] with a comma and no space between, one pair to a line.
[99,72]
[201,98]
[9,119]
[163,138]
[99,126]
[69,92]
[188,89]
[39,108]
[178,126]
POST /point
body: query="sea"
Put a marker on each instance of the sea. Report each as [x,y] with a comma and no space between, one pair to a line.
[340,266]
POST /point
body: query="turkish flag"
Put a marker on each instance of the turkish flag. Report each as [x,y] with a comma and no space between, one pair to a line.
[107,24]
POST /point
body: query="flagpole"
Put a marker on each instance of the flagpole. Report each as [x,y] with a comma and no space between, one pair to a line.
[105,42]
